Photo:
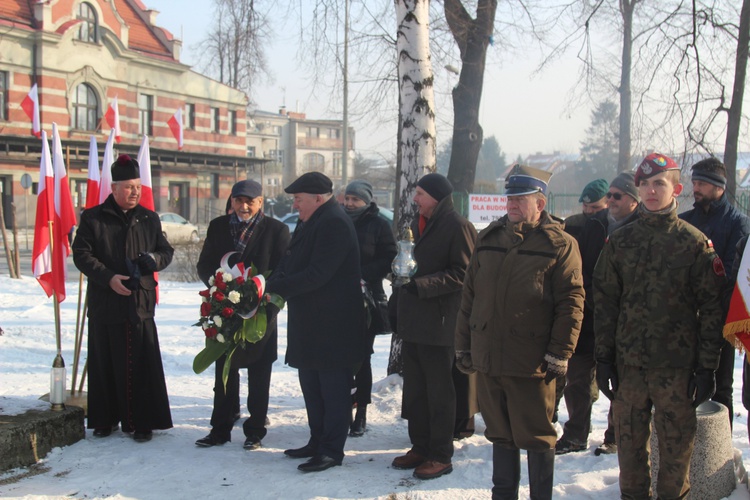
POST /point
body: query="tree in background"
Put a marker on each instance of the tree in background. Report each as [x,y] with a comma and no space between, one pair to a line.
[599,150]
[473,36]
[234,48]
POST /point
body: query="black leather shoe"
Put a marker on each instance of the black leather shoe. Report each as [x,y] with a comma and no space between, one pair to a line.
[358,427]
[318,463]
[142,436]
[306,451]
[252,443]
[209,441]
[102,432]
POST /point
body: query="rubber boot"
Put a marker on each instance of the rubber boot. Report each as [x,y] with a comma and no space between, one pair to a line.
[506,472]
[541,473]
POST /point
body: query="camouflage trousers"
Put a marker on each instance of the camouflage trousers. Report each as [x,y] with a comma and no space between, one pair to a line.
[664,390]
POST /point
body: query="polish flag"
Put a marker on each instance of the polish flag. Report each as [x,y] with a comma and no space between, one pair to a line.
[113,118]
[92,184]
[30,105]
[144,164]
[41,259]
[175,125]
[147,191]
[65,218]
[105,184]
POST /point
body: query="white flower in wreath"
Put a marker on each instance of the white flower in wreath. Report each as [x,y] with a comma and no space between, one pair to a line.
[217,321]
[227,277]
[211,281]
[220,338]
[234,297]
[212,290]
[204,299]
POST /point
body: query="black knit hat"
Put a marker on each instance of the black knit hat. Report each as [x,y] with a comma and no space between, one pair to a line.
[436,185]
[712,171]
[125,168]
[625,182]
[360,189]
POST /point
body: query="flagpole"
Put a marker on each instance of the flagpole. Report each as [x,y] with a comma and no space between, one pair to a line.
[78,336]
[57,382]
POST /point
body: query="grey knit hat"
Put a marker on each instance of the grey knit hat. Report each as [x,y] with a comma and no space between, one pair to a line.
[625,182]
[360,189]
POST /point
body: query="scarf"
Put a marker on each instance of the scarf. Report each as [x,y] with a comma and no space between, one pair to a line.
[242,230]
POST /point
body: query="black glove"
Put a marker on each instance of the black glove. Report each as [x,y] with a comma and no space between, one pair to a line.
[702,386]
[606,374]
[135,275]
[411,287]
[463,362]
[554,366]
[146,263]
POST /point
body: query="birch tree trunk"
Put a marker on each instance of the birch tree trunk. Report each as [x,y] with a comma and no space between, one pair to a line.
[416,146]
[626,9]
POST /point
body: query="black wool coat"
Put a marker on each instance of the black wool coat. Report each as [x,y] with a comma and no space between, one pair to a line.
[377,248]
[319,277]
[265,249]
[107,236]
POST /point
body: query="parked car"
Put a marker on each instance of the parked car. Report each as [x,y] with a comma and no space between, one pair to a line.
[290,220]
[177,229]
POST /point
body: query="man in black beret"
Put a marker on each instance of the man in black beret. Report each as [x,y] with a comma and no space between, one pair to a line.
[319,277]
[118,246]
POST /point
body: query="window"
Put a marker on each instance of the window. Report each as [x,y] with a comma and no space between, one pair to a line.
[336,164]
[85,108]
[313,162]
[277,155]
[88,27]
[233,122]
[313,132]
[190,112]
[215,121]
[3,95]
[251,151]
[334,133]
[146,114]
[215,185]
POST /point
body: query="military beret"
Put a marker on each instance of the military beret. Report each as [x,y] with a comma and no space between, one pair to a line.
[312,183]
[594,191]
[654,164]
[125,168]
[526,180]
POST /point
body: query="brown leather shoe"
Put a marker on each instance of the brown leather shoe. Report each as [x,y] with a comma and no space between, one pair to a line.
[432,469]
[408,461]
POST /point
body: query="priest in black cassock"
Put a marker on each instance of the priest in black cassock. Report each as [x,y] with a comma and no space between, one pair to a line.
[118,246]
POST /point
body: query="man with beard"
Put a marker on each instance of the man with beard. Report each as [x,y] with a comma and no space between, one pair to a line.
[715,216]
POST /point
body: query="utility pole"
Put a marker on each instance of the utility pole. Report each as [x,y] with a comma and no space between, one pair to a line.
[345,134]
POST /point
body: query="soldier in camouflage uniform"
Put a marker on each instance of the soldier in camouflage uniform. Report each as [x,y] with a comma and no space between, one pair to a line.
[657,323]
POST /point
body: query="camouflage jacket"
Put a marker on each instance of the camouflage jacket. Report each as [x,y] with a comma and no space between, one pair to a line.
[657,288]
[522,297]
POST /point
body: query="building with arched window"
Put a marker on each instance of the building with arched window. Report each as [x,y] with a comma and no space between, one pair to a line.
[85,54]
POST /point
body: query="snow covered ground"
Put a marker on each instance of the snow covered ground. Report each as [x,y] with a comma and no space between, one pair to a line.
[171,466]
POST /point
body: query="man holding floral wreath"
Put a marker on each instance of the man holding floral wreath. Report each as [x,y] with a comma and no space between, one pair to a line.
[319,278]
[259,241]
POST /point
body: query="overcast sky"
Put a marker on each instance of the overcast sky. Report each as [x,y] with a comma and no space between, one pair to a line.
[526,113]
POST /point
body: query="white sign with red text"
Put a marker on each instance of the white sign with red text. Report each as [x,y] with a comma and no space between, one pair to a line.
[487,207]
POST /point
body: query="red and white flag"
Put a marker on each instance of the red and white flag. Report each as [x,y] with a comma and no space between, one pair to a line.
[41,257]
[113,118]
[65,218]
[147,190]
[737,325]
[92,184]
[175,125]
[30,105]
[105,184]
[144,164]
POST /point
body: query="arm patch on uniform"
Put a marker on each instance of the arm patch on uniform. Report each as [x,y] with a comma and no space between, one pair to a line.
[718,266]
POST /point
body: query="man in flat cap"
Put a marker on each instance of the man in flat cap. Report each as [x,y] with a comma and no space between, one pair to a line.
[718,219]
[118,246]
[259,241]
[657,324]
[319,277]
[434,400]
[518,324]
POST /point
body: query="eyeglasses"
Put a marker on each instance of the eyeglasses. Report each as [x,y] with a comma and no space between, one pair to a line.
[616,196]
